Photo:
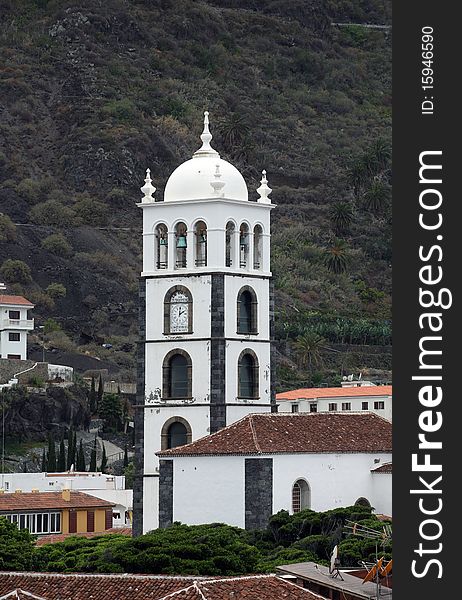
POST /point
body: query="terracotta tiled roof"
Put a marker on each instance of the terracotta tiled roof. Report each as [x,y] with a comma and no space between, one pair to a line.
[51,586]
[336,392]
[385,468]
[60,537]
[254,587]
[49,501]
[21,595]
[271,433]
[14,300]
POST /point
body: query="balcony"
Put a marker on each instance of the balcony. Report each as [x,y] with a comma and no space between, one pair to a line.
[17,324]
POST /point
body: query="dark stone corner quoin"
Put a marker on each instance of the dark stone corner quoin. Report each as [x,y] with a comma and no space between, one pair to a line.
[139,414]
[165,493]
[258,492]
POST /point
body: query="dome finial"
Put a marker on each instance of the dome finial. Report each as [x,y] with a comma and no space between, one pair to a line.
[216,184]
[148,189]
[264,190]
[206,137]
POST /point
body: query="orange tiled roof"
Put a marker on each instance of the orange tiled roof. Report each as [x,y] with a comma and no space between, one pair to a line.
[53,586]
[53,538]
[14,300]
[271,433]
[336,392]
[33,501]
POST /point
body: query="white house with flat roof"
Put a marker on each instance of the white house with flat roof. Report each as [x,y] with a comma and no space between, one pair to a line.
[370,398]
[14,325]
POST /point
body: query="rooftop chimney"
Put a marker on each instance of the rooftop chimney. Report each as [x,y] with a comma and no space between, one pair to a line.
[66,494]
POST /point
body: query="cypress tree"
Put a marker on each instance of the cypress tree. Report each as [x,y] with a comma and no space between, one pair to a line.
[103,460]
[125,456]
[81,458]
[24,466]
[71,448]
[51,461]
[92,467]
[44,461]
[61,462]
[100,391]
[92,397]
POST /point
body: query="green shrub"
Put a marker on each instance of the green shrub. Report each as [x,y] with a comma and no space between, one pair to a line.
[16,271]
[52,212]
[122,110]
[91,211]
[56,290]
[7,229]
[57,244]
[51,325]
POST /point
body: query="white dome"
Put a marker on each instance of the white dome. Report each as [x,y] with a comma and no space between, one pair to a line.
[206,175]
[192,180]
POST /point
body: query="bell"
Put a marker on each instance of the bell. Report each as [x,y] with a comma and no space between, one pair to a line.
[163,241]
[202,238]
[181,242]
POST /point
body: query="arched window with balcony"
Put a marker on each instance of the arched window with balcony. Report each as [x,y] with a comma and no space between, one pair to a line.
[230,243]
[175,432]
[244,246]
[161,247]
[200,234]
[177,376]
[248,372]
[301,495]
[247,311]
[258,247]
[181,243]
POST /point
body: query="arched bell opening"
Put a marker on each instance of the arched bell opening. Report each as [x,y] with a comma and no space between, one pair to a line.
[244,246]
[258,247]
[181,246]
[230,243]
[161,247]
[200,234]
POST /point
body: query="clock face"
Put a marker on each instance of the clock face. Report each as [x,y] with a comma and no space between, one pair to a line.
[179,314]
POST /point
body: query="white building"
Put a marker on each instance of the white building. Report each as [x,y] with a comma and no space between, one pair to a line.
[206,312]
[373,398]
[101,485]
[251,469]
[14,325]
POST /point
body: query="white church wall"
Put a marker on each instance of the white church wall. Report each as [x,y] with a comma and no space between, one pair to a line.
[150,503]
[235,413]
[335,480]
[381,496]
[209,490]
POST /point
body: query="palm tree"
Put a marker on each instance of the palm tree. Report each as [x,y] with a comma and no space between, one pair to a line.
[376,196]
[341,215]
[308,348]
[336,257]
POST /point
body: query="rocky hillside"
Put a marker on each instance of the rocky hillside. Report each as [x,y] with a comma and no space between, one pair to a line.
[93,92]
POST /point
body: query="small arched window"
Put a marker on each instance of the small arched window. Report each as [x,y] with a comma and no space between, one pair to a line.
[175,432]
[178,310]
[230,243]
[248,375]
[247,308]
[257,247]
[161,247]
[200,232]
[244,246]
[177,375]
[181,246]
[301,496]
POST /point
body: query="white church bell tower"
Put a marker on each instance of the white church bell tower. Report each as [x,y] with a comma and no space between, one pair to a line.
[206,312]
